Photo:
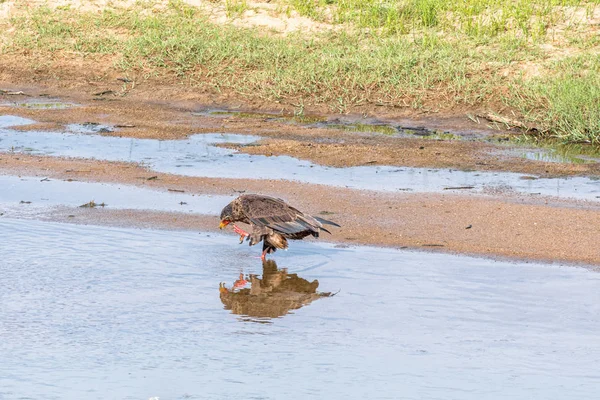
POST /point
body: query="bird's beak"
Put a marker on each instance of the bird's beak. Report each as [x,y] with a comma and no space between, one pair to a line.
[223,224]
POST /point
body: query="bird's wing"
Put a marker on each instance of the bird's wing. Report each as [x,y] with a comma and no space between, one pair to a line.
[274,213]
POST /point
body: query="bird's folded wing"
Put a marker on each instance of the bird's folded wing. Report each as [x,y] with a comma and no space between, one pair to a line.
[276,214]
[282,225]
[264,206]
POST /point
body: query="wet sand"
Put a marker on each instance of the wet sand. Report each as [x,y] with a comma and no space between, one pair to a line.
[141,116]
[522,227]
[502,224]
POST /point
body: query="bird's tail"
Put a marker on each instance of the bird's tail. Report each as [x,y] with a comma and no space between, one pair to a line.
[326,221]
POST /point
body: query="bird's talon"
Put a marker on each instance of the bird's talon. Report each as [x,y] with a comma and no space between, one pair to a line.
[240,231]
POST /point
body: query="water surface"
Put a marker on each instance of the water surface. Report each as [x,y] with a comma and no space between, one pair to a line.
[23,195]
[7,121]
[198,156]
[94,313]
[40,104]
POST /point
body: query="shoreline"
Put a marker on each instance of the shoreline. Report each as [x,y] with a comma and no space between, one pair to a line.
[517,227]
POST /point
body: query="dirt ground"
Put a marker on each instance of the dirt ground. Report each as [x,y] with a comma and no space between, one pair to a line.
[514,226]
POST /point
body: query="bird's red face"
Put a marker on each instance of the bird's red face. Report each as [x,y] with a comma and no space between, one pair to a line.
[224,223]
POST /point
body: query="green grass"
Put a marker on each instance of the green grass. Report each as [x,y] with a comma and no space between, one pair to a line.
[429,54]
[236,8]
[183,42]
[477,18]
[566,103]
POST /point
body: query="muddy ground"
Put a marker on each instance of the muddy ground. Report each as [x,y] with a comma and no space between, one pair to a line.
[145,114]
[497,225]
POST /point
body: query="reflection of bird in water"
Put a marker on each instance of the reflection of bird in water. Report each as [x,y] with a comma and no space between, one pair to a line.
[273,295]
[272,220]
[240,283]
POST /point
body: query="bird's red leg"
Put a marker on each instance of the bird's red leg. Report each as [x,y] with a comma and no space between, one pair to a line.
[264,255]
[241,232]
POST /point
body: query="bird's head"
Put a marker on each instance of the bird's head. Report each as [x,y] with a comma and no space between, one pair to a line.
[226,217]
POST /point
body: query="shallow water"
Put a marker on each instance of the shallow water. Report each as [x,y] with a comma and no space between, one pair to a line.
[197,156]
[12,120]
[23,195]
[348,123]
[548,155]
[40,104]
[94,313]
[90,127]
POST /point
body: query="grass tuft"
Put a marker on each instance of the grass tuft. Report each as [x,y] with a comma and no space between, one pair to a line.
[235,8]
[566,104]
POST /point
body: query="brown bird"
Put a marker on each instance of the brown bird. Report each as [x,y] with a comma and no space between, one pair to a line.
[273,221]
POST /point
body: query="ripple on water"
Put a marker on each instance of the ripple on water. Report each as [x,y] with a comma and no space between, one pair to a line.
[89,310]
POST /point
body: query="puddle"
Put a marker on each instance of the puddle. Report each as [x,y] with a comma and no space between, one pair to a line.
[358,127]
[269,116]
[553,151]
[90,312]
[372,125]
[22,196]
[90,127]
[197,156]
[40,104]
[553,156]
[7,121]
[362,125]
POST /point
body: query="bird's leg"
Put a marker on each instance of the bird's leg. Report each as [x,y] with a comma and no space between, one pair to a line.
[264,254]
[243,234]
[240,283]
